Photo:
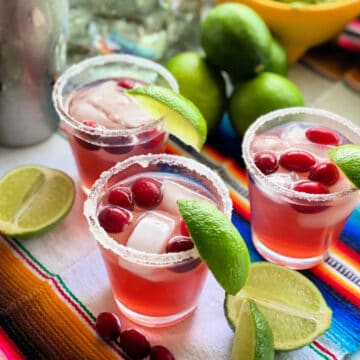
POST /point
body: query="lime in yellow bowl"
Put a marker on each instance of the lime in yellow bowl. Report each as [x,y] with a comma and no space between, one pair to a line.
[301,26]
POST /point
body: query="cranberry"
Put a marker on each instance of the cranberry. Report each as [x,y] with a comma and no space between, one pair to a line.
[297,160]
[183,228]
[120,144]
[134,344]
[113,218]
[322,136]
[179,243]
[126,83]
[84,143]
[154,141]
[327,173]
[267,162]
[108,326]
[147,192]
[90,123]
[310,187]
[160,352]
[122,197]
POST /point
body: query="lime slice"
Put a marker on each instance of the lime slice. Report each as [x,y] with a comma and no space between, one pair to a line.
[218,242]
[182,118]
[253,336]
[347,158]
[295,309]
[33,200]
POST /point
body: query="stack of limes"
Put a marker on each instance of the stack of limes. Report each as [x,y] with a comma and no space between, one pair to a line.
[238,45]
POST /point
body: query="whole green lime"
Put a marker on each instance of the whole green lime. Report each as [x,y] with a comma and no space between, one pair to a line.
[278,62]
[260,95]
[201,83]
[236,39]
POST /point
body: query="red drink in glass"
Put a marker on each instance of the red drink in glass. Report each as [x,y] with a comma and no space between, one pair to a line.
[299,200]
[102,123]
[155,272]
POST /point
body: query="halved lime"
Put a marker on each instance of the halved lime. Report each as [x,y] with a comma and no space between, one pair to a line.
[182,118]
[293,306]
[253,336]
[33,200]
[347,158]
[218,242]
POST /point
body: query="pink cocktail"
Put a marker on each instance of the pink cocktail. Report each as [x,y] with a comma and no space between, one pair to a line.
[102,123]
[299,199]
[155,272]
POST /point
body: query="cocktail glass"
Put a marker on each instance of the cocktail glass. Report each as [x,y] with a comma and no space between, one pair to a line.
[98,148]
[289,226]
[154,289]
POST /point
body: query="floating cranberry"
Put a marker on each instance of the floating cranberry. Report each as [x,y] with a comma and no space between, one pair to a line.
[327,173]
[155,141]
[134,344]
[179,243]
[147,192]
[120,144]
[126,83]
[297,160]
[90,123]
[85,143]
[267,162]
[310,187]
[183,228]
[122,197]
[322,136]
[113,218]
[160,352]
[108,326]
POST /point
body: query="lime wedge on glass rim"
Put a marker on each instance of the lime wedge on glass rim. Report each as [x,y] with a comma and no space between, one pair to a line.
[33,200]
[218,242]
[347,158]
[253,336]
[182,118]
[293,306]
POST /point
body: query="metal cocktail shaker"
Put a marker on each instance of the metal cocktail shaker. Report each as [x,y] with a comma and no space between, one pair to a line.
[32,53]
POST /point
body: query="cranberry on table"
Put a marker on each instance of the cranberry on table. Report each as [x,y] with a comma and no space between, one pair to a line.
[135,344]
[267,162]
[322,136]
[160,352]
[326,172]
[122,197]
[108,326]
[297,160]
[113,218]
[179,243]
[147,192]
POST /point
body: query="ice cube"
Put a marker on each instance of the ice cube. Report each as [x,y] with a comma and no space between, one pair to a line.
[151,233]
[174,191]
[268,142]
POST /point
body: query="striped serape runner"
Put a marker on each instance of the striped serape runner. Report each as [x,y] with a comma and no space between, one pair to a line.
[42,319]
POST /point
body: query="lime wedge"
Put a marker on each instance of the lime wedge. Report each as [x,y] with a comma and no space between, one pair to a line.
[33,200]
[253,336]
[182,118]
[218,242]
[347,158]
[293,306]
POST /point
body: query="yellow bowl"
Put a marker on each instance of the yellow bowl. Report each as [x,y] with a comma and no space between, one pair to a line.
[300,27]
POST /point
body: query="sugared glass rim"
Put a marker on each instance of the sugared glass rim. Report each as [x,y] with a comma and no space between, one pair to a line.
[98,61]
[265,180]
[137,256]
